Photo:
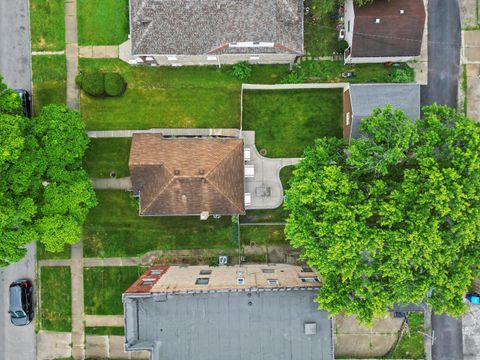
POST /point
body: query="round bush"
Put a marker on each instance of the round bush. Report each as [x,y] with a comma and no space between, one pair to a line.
[93,83]
[78,80]
[114,84]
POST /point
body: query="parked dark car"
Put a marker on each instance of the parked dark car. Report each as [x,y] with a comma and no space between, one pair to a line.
[26,101]
[21,302]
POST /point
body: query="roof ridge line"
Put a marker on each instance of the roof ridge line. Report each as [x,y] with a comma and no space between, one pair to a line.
[172,177]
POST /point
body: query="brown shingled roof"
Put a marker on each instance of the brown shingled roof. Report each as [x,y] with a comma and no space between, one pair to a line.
[395,35]
[187,176]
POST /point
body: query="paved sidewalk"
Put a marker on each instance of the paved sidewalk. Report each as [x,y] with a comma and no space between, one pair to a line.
[78,312]
[105,51]
[104,320]
[54,345]
[73,93]
[166,132]
[124,183]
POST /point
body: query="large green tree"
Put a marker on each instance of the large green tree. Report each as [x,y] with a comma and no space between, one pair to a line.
[45,194]
[394,217]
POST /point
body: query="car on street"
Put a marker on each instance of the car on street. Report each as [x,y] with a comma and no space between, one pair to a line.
[26,99]
[21,302]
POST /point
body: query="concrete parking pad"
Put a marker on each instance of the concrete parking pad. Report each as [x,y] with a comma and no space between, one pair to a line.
[471,333]
[53,345]
[358,341]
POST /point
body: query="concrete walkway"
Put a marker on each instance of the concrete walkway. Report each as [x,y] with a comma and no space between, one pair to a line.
[104,320]
[78,313]
[48,52]
[124,183]
[53,345]
[165,132]
[98,52]
[73,93]
[266,177]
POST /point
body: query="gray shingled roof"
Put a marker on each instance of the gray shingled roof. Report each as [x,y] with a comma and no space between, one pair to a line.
[228,326]
[197,27]
[366,97]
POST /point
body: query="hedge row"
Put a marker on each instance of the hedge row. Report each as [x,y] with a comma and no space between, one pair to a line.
[101,84]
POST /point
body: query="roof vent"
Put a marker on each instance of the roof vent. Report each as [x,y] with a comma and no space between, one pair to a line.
[377,21]
[201,171]
[402,12]
[310,328]
[176,172]
[184,197]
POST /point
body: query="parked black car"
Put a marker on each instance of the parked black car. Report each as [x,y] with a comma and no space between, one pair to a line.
[26,101]
[21,302]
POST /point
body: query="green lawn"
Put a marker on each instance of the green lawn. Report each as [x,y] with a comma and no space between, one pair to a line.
[104,287]
[270,215]
[411,346]
[55,297]
[43,254]
[49,76]
[102,22]
[186,97]
[114,228]
[287,121]
[331,71]
[106,155]
[105,330]
[262,234]
[320,37]
[47,25]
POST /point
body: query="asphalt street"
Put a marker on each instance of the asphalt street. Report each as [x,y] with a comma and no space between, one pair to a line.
[15,58]
[16,343]
[444,42]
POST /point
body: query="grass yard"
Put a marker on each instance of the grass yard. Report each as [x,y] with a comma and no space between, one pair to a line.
[114,228]
[43,254]
[102,22]
[262,235]
[271,215]
[55,298]
[106,155]
[104,287]
[49,75]
[47,25]
[186,97]
[411,346]
[287,121]
[105,330]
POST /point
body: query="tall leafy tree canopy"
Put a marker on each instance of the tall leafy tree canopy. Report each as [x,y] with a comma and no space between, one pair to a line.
[45,194]
[394,217]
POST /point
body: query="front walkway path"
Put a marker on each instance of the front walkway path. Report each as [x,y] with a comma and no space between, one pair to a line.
[71,37]
[104,320]
[53,345]
[102,51]
[124,183]
[78,313]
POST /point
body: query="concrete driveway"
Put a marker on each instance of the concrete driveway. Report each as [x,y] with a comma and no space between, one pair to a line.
[15,58]
[471,333]
[16,342]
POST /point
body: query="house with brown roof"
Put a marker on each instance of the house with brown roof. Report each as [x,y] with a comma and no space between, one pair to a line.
[187,176]
[384,31]
[197,32]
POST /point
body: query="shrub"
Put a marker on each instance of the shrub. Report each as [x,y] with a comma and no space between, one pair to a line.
[78,80]
[401,76]
[341,46]
[242,70]
[114,84]
[293,78]
[93,83]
